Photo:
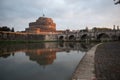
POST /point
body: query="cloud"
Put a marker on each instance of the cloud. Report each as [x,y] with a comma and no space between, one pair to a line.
[73,14]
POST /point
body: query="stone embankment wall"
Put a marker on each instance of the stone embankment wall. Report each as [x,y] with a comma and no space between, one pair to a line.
[21,36]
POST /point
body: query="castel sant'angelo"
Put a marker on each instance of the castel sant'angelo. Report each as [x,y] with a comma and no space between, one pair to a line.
[42,24]
[44,29]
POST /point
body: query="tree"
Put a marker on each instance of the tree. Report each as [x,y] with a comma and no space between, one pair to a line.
[5,28]
[117,2]
[0,28]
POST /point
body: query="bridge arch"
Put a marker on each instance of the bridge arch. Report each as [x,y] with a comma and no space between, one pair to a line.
[84,37]
[103,37]
[71,37]
[61,38]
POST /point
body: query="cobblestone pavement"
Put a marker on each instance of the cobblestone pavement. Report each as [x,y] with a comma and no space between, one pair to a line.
[107,61]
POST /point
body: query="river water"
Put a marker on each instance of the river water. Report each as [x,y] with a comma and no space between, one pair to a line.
[40,61]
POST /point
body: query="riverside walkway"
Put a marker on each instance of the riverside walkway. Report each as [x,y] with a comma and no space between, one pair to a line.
[107,61]
[102,62]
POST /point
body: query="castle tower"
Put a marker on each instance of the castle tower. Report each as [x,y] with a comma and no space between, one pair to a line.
[42,24]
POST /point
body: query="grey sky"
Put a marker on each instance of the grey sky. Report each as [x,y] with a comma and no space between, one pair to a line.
[72,14]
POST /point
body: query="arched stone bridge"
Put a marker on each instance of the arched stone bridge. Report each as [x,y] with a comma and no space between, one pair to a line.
[108,35]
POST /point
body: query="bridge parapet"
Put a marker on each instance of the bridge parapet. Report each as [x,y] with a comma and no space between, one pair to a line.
[93,35]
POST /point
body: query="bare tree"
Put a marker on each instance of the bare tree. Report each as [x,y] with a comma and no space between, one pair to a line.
[117,2]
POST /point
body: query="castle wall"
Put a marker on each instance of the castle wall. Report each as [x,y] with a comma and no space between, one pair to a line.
[20,36]
[48,36]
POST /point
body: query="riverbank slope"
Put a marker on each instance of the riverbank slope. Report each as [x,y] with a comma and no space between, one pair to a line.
[85,69]
[102,62]
[107,61]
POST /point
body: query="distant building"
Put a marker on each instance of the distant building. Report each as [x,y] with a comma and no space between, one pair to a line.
[42,24]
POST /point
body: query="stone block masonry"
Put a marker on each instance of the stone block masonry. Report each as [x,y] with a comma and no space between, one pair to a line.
[21,36]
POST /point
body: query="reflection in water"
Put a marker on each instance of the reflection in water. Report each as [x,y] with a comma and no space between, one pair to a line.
[51,55]
[43,54]
[42,57]
[83,47]
[43,49]
[5,55]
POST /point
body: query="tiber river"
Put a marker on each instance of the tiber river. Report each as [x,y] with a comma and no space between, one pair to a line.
[40,61]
